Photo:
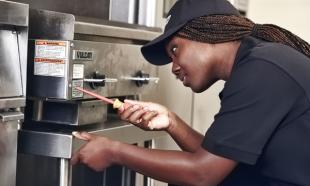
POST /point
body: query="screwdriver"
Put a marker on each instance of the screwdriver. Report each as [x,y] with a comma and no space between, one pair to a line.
[116,103]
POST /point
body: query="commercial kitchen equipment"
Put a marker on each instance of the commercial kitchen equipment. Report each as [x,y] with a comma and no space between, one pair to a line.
[13,58]
[67,51]
[140,12]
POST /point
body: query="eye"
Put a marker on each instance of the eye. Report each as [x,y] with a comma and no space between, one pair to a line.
[173,50]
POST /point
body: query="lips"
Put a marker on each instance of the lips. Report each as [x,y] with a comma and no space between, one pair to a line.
[182,78]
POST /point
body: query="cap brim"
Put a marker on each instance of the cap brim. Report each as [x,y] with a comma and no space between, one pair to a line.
[155,51]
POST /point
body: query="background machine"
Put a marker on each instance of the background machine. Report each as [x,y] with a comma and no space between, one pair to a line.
[66,51]
[13,58]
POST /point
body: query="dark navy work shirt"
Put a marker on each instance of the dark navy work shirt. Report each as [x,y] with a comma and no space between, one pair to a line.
[264,119]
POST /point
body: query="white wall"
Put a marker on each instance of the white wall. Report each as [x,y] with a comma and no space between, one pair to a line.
[293,15]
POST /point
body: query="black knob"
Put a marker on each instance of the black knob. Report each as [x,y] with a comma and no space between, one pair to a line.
[142,75]
[97,75]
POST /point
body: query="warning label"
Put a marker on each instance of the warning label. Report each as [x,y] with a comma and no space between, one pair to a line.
[78,71]
[76,93]
[49,67]
[51,49]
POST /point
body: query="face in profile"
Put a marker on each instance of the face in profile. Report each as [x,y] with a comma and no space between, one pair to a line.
[194,63]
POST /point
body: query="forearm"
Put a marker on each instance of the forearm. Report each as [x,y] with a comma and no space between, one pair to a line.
[160,165]
[187,138]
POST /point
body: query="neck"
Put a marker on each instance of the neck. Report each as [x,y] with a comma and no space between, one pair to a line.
[229,50]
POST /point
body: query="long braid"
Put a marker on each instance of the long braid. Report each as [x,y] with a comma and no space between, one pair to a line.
[223,28]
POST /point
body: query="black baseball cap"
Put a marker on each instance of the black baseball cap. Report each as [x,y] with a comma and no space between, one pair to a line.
[182,12]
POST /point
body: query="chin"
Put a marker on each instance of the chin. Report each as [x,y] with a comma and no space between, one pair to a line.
[198,90]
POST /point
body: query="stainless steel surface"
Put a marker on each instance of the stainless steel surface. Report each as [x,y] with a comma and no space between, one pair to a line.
[8,152]
[13,13]
[62,145]
[50,25]
[118,64]
[74,113]
[147,12]
[13,48]
[65,172]
[11,116]
[45,171]
[13,58]
[12,102]
[37,171]
[60,26]
[10,67]
[89,8]
[89,27]
[45,143]
[140,12]
[123,11]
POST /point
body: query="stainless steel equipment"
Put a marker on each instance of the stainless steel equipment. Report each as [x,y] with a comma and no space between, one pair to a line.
[97,55]
[13,57]
[140,12]
[89,8]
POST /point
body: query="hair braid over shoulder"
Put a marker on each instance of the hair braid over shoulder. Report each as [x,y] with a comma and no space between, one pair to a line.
[223,28]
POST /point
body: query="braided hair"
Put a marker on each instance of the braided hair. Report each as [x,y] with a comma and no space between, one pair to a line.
[224,28]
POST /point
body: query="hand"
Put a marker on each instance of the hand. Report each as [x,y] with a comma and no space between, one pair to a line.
[97,153]
[145,115]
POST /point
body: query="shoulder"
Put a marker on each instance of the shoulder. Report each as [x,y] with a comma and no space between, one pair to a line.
[253,48]
[270,59]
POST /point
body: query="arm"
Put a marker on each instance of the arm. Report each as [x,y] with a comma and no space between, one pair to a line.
[187,138]
[198,168]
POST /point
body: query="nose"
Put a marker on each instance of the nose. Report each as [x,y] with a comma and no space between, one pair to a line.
[175,68]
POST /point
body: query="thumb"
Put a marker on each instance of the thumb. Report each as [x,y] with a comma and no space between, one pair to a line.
[83,135]
[75,158]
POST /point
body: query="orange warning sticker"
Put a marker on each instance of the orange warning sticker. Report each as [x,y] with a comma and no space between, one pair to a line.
[46,60]
[50,67]
[51,49]
[51,42]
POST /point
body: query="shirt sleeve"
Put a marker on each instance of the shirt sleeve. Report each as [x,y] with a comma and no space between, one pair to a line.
[254,101]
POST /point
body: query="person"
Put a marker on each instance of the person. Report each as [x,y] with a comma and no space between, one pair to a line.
[260,135]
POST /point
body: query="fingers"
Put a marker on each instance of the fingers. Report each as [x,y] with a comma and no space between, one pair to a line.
[124,107]
[82,135]
[125,115]
[149,115]
[75,158]
[137,116]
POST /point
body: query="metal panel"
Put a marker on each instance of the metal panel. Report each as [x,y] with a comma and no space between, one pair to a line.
[12,102]
[8,152]
[89,8]
[118,64]
[10,69]
[62,144]
[45,24]
[147,12]
[133,33]
[13,13]
[72,113]
[123,11]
